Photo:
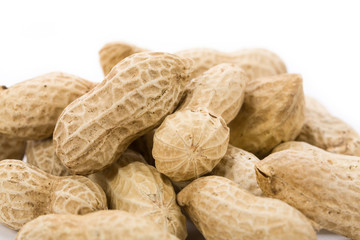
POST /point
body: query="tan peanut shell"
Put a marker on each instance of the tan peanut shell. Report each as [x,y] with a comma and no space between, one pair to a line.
[221,210]
[11,148]
[30,109]
[27,192]
[239,166]
[328,132]
[272,112]
[112,53]
[323,186]
[136,187]
[94,130]
[255,62]
[41,154]
[221,90]
[100,225]
[189,143]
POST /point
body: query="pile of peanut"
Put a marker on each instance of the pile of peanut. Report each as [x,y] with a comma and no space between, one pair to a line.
[226,140]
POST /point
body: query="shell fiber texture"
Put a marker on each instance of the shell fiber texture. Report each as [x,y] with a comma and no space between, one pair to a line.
[30,109]
[94,130]
[27,192]
[239,166]
[11,148]
[139,188]
[41,154]
[255,62]
[189,144]
[328,132]
[112,53]
[272,112]
[221,210]
[100,225]
[323,186]
[221,90]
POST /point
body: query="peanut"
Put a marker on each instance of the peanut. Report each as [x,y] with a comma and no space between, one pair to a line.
[328,132]
[273,112]
[221,90]
[189,144]
[221,210]
[41,154]
[94,130]
[29,110]
[101,225]
[323,186]
[11,148]
[255,62]
[27,192]
[112,53]
[238,166]
[134,186]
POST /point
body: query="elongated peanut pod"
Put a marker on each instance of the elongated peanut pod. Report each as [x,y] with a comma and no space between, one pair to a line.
[28,192]
[94,130]
[323,186]
[112,53]
[273,112]
[327,131]
[30,109]
[221,210]
[221,90]
[109,225]
[136,187]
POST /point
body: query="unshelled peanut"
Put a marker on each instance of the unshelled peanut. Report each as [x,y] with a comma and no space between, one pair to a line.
[27,192]
[112,53]
[94,130]
[255,62]
[134,186]
[239,166]
[221,210]
[221,90]
[328,132]
[273,112]
[189,143]
[101,225]
[323,186]
[30,109]
[41,154]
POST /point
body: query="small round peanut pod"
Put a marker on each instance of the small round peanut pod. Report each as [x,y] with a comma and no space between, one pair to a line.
[189,144]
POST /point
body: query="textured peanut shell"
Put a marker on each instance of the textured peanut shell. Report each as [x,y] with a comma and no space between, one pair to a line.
[27,192]
[221,210]
[94,130]
[112,53]
[189,144]
[11,148]
[138,188]
[221,90]
[238,165]
[101,225]
[41,154]
[30,109]
[272,112]
[255,62]
[328,132]
[323,186]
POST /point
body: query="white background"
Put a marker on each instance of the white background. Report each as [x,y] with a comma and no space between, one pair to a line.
[318,39]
